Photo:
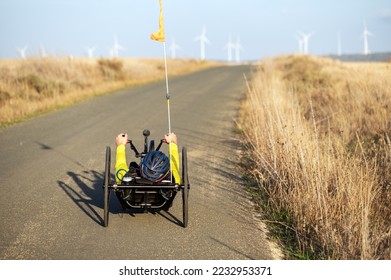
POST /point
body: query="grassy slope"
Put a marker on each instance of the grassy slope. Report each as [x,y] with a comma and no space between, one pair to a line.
[318,136]
[36,85]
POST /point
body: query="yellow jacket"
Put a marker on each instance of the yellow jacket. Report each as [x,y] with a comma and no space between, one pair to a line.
[121,167]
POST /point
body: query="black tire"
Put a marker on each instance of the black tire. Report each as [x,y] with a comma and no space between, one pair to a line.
[106,191]
[186,188]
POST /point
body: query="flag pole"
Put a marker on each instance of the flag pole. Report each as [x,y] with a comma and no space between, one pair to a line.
[168,106]
[167,90]
[160,36]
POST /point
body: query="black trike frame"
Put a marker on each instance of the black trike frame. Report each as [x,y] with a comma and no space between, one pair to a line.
[145,188]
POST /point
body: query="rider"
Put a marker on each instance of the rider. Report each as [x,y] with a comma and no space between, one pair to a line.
[154,166]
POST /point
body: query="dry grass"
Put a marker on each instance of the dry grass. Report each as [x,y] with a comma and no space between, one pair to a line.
[36,85]
[318,133]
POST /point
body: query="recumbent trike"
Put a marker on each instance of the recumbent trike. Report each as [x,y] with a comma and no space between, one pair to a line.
[139,193]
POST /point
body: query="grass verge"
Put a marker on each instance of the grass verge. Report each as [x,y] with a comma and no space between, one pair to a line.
[318,136]
[37,85]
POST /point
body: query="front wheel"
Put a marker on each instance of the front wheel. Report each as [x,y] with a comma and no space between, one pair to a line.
[106,191]
[186,188]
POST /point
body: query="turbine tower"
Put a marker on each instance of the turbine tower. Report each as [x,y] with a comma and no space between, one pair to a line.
[230,47]
[339,44]
[173,48]
[114,50]
[365,35]
[238,48]
[22,52]
[203,40]
[90,52]
[300,42]
[305,38]
[42,52]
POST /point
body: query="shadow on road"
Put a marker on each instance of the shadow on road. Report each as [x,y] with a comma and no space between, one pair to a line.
[44,146]
[89,194]
[231,248]
[170,217]
[84,188]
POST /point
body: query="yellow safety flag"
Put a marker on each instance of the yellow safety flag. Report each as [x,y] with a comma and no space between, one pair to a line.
[159,35]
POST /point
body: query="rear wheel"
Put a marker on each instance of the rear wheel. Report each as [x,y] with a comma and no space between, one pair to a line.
[106,191]
[185,190]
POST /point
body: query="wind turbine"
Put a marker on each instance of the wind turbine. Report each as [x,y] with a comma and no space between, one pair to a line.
[339,44]
[174,47]
[22,52]
[365,35]
[229,46]
[300,42]
[203,40]
[114,50]
[238,48]
[42,52]
[305,38]
[90,52]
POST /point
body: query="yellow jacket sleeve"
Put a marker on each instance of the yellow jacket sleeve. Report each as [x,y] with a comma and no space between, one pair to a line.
[121,168]
[173,151]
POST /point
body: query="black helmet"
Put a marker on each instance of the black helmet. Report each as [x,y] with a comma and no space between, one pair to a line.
[154,166]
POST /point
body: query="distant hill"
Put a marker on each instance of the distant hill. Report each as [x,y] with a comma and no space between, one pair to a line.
[375,57]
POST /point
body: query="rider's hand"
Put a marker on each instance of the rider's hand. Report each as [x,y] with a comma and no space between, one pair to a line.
[168,138]
[121,139]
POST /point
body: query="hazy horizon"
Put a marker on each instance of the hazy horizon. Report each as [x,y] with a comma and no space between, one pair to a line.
[69,28]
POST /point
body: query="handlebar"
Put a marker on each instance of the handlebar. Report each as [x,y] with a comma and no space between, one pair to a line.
[146,133]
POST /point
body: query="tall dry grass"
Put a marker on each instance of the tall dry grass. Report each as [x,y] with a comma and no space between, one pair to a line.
[318,133]
[36,85]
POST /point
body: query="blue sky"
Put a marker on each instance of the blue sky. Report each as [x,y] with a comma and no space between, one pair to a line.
[265,27]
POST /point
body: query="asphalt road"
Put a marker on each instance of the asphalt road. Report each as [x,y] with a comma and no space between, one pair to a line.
[51,170]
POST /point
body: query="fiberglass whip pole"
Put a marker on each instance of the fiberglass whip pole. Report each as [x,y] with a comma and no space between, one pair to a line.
[160,36]
[167,91]
[168,106]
